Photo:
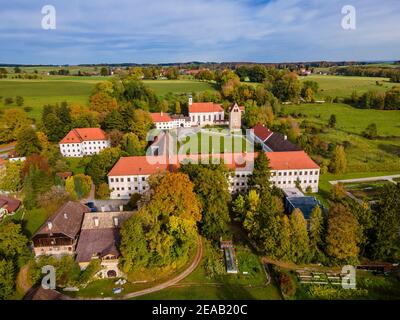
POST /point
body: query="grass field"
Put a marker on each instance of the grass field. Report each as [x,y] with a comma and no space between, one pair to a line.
[37,93]
[74,89]
[342,86]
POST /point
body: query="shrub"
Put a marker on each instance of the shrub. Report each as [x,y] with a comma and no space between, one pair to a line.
[8,100]
[286,284]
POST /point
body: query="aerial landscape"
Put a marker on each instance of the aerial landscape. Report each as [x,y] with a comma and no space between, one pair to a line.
[140,161]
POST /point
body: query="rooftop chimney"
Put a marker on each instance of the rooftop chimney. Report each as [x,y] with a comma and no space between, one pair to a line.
[96,221]
[121,208]
[102,208]
[285,137]
[65,215]
[162,113]
[49,225]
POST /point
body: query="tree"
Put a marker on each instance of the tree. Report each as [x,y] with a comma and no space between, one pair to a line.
[103,191]
[134,247]
[338,162]
[7,275]
[13,243]
[104,72]
[100,164]
[8,101]
[341,237]
[385,236]
[102,102]
[332,121]
[316,230]
[300,240]
[131,144]
[211,187]
[78,186]
[19,101]
[114,120]
[52,125]
[10,177]
[28,142]
[166,225]
[260,179]
[178,109]
[239,208]
[285,240]
[11,123]
[371,132]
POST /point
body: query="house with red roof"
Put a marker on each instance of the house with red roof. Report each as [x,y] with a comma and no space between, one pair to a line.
[272,141]
[81,142]
[205,113]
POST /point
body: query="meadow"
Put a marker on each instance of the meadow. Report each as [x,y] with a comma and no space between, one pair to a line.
[380,154]
[342,86]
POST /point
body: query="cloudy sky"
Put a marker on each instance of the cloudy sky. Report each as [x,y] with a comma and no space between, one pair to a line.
[161,31]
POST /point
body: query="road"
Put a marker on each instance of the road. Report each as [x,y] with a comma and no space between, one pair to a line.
[173,281]
[388,178]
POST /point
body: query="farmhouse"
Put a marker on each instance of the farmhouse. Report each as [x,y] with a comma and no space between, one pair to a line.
[272,141]
[59,234]
[81,142]
[130,174]
[99,239]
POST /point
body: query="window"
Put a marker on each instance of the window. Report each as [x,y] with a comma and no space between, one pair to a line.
[143,178]
[112,180]
[128,179]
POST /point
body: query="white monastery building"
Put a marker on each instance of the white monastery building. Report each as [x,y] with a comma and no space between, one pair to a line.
[163,120]
[130,174]
[81,142]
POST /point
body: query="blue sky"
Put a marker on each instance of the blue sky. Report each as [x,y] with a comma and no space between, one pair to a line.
[162,31]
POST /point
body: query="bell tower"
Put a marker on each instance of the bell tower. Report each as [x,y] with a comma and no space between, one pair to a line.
[235,117]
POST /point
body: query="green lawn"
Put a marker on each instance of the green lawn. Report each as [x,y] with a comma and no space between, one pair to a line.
[343,86]
[204,142]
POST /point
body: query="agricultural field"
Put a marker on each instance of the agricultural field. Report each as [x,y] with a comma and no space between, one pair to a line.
[74,89]
[363,154]
[343,86]
[37,93]
[162,87]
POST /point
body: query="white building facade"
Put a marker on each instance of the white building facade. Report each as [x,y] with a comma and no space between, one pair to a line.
[84,142]
[206,113]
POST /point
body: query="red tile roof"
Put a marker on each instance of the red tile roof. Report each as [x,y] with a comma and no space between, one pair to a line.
[199,107]
[84,134]
[160,117]
[262,132]
[292,160]
[127,166]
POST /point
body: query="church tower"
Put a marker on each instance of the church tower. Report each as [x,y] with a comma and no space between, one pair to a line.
[235,117]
